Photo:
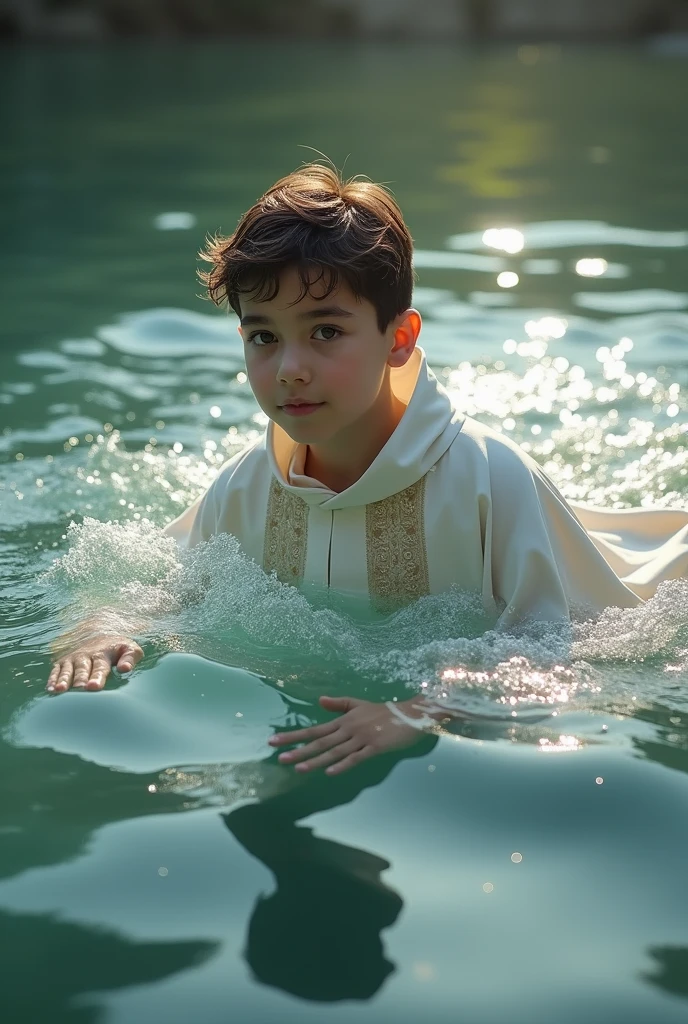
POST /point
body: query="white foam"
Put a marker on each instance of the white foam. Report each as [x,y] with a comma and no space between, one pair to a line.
[214,601]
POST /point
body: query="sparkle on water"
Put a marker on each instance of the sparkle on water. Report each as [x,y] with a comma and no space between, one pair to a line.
[608,425]
[605,435]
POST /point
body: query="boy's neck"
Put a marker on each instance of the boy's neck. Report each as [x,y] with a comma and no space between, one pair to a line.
[341,464]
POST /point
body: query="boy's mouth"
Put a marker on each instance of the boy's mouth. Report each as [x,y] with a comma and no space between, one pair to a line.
[297,407]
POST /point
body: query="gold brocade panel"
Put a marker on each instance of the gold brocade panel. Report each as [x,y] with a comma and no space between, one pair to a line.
[395,546]
[286,534]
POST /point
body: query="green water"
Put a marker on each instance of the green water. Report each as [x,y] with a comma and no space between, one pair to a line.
[156,862]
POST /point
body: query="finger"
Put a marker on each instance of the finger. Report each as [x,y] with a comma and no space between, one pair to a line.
[52,678]
[64,678]
[82,671]
[99,672]
[337,753]
[127,657]
[302,735]
[351,761]
[316,747]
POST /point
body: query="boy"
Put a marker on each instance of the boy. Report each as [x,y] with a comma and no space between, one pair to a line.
[367,479]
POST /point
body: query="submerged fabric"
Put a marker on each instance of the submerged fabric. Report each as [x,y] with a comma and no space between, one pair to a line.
[447,502]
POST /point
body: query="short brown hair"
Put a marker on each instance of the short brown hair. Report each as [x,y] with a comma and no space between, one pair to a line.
[330,229]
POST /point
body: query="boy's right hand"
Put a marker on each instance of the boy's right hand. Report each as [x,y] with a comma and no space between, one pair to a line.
[89,665]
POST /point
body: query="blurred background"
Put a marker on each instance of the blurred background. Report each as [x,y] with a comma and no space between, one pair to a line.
[539,151]
[458,19]
[131,128]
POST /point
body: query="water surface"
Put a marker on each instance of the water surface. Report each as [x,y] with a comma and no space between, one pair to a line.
[156,860]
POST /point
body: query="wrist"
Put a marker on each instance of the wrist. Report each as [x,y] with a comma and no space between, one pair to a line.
[416,712]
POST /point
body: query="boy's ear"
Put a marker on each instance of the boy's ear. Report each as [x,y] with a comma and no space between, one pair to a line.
[406,333]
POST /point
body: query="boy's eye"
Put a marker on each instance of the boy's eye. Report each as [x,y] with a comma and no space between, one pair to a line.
[328,333]
[262,338]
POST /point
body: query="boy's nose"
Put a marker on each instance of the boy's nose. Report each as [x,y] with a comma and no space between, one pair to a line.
[293,370]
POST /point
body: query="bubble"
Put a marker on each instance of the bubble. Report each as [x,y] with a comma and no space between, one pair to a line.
[516,858]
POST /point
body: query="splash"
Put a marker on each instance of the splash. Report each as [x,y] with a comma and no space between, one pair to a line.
[214,601]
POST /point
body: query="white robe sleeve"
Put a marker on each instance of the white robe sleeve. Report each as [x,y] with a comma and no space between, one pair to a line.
[196,524]
[644,546]
[208,514]
[538,558]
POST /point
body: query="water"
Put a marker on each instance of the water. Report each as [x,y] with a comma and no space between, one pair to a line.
[156,860]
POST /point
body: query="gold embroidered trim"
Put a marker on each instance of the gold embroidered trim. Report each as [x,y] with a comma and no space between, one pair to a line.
[286,534]
[395,546]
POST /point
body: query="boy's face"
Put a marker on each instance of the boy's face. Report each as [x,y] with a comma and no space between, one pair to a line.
[319,367]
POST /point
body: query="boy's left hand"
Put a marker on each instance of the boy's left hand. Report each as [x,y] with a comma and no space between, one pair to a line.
[361,731]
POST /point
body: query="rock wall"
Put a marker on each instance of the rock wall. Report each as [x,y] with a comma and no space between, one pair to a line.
[412,19]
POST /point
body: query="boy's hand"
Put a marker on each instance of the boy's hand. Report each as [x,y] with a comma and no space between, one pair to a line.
[88,667]
[363,730]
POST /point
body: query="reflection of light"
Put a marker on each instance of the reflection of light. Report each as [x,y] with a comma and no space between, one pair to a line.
[672,410]
[564,743]
[507,279]
[532,349]
[506,239]
[546,328]
[509,346]
[215,411]
[591,267]
[241,377]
